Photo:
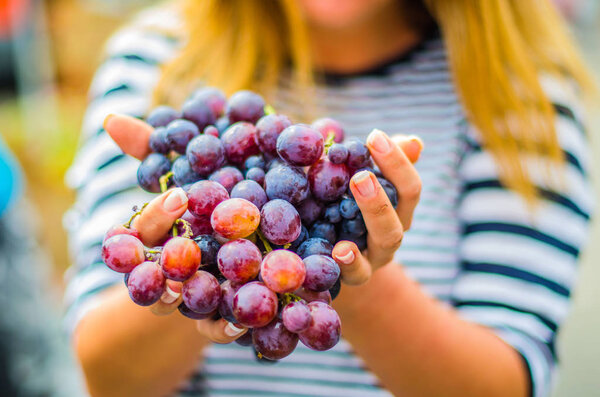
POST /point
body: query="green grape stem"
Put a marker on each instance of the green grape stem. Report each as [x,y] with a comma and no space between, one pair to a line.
[264,240]
[329,141]
[289,297]
[269,110]
[164,181]
[136,212]
[187,228]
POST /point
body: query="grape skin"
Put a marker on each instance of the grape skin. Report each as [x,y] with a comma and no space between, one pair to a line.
[162,115]
[197,111]
[310,210]
[228,177]
[158,141]
[328,182]
[122,253]
[257,175]
[325,327]
[286,183]
[314,246]
[235,218]
[205,154]
[321,273]
[201,293]
[251,191]
[228,290]
[150,170]
[180,258]
[120,229]
[282,271]
[296,316]
[254,305]
[280,222]
[204,196]
[146,283]
[189,313]
[327,126]
[183,174]
[239,142]
[268,129]
[274,341]
[300,145]
[239,260]
[179,133]
[324,230]
[245,106]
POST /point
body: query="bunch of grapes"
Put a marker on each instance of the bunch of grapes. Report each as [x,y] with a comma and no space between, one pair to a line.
[267,201]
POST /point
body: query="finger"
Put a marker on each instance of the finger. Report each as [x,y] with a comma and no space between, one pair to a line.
[411,145]
[398,169]
[169,300]
[383,224]
[131,134]
[220,331]
[354,268]
[157,218]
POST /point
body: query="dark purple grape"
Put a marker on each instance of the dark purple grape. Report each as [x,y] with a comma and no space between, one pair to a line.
[354,227]
[180,133]
[245,106]
[300,145]
[269,127]
[327,126]
[222,124]
[332,213]
[205,154]
[239,260]
[250,191]
[328,181]
[146,283]
[321,272]
[228,290]
[313,296]
[204,196]
[301,238]
[212,131]
[337,154]
[150,170]
[183,173]
[325,327]
[296,316]
[254,161]
[246,339]
[189,313]
[276,162]
[314,246]
[273,341]
[160,116]
[201,292]
[324,230]
[335,290]
[310,210]
[257,175]
[158,141]
[287,183]
[348,208]
[213,97]
[360,241]
[280,222]
[197,111]
[358,154]
[390,191]
[239,142]
[126,278]
[227,176]
[200,224]
[209,247]
[254,305]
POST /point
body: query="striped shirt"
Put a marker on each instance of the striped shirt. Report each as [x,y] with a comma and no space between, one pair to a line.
[473,244]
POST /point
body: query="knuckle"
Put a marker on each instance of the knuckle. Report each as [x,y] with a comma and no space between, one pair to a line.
[379,209]
[392,240]
[412,190]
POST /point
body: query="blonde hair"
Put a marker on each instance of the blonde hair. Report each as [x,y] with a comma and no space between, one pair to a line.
[497,50]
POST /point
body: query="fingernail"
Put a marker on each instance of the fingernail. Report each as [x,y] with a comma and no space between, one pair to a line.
[364,184]
[232,330]
[169,296]
[106,120]
[347,258]
[379,141]
[416,142]
[175,200]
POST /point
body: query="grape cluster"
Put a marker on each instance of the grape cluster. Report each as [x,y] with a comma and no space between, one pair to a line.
[267,201]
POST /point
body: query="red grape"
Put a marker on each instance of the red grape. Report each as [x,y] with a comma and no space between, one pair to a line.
[273,341]
[282,271]
[321,272]
[120,229]
[245,106]
[158,141]
[198,111]
[180,133]
[313,296]
[287,183]
[160,116]
[183,174]
[280,222]
[239,141]
[205,154]
[309,210]
[268,129]
[211,130]
[300,145]
[228,290]
[326,126]
[245,339]
[251,191]
[187,312]
[257,175]
[201,292]
[328,182]
[325,327]
[122,253]
[235,218]
[203,197]
[254,305]
[296,316]
[239,260]
[199,224]
[213,97]
[150,170]
[227,176]
[338,153]
[146,283]
[180,258]
[358,154]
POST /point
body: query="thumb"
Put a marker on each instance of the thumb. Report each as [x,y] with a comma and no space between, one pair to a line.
[157,218]
[131,134]
[411,145]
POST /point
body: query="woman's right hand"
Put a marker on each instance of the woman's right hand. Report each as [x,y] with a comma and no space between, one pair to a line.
[157,219]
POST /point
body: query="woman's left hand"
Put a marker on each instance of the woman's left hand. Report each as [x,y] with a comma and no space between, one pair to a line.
[385,225]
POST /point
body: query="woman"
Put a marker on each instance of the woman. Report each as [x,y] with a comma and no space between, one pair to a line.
[469,303]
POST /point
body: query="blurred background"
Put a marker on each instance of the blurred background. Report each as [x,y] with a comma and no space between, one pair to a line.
[48,53]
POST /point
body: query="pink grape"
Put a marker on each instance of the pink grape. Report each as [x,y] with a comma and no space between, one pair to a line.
[204,196]
[268,129]
[146,283]
[197,110]
[280,222]
[327,126]
[300,145]
[180,258]
[239,141]
[325,327]
[321,273]
[201,292]
[251,191]
[274,341]
[213,97]
[235,218]
[296,316]
[120,229]
[239,260]
[122,253]
[282,271]
[199,224]
[313,296]
[227,176]
[254,305]
[205,154]
[245,106]
[328,182]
